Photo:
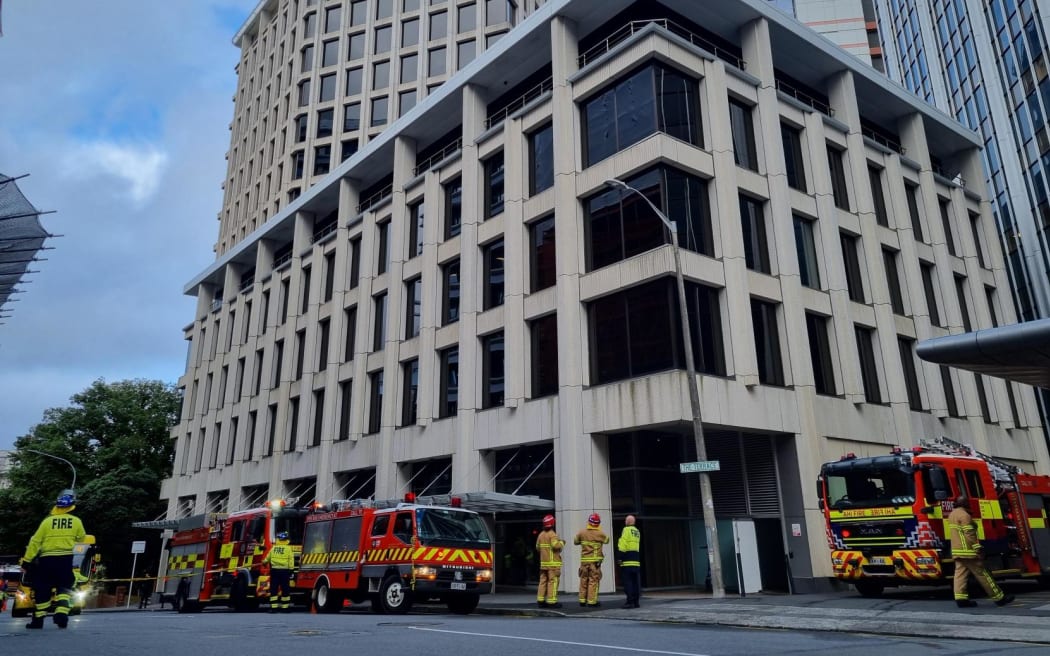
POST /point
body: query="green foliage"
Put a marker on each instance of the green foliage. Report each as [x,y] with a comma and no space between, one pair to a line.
[117,435]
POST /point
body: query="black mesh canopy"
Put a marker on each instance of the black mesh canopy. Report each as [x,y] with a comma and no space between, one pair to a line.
[21,237]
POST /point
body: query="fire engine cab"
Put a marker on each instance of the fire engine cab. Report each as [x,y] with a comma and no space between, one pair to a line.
[395,556]
[217,558]
[885,515]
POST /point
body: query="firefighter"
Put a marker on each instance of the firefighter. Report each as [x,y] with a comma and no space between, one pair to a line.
[629,547]
[969,555]
[591,541]
[50,551]
[282,561]
[549,545]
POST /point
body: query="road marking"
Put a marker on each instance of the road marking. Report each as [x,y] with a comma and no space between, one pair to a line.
[560,642]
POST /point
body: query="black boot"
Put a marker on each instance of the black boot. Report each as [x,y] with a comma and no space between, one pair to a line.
[967,603]
[36,623]
[61,620]
[541,604]
[1007,599]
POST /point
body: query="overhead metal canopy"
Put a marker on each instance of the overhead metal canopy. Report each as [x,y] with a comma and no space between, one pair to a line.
[1019,352]
[21,237]
[482,502]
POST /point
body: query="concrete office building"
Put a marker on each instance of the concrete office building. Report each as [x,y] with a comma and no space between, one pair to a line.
[850,24]
[463,306]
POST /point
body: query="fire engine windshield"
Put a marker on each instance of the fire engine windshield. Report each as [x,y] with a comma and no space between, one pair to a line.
[864,487]
[444,527]
[290,521]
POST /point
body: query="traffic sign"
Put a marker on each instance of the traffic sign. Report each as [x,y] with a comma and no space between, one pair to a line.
[700,466]
[138,546]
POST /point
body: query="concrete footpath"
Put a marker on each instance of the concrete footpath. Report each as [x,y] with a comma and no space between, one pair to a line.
[916,612]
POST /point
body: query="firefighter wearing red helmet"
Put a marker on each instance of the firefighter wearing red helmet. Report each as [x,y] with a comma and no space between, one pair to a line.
[591,541]
[549,545]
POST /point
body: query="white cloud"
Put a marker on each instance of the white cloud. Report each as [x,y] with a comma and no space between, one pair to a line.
[141,167]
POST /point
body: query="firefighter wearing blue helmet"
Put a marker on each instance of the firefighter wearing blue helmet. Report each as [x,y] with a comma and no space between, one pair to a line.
[282,561]
[50,551]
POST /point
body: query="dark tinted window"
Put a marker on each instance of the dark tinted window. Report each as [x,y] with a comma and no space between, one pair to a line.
[541,159]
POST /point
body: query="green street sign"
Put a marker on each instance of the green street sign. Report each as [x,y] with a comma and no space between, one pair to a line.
[701,466]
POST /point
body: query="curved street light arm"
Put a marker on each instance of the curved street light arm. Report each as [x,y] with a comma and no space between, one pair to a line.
[48,455]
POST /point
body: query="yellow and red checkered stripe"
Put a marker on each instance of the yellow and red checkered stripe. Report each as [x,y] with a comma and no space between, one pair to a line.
[185,562]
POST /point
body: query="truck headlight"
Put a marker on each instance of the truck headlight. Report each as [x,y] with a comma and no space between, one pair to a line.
[483,575]
[79,596]
[425,572]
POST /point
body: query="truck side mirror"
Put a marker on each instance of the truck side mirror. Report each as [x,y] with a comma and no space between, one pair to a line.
[940,495]
[820,504]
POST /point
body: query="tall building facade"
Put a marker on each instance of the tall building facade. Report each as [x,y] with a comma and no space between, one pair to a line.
[464,305]
[985,64]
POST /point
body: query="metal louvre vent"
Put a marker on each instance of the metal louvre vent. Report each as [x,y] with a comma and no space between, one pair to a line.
[762,495]
[727,484]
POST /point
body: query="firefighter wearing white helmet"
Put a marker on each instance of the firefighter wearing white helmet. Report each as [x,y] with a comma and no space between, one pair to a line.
[549,545]
[591,541]
[50,552]
[282,561]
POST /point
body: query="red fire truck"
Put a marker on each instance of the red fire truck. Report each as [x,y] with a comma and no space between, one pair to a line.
[885,515]
[217,558]
[395,556]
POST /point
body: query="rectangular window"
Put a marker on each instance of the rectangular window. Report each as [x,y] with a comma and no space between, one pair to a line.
[304,291]
[350,319]
[448,399]
[793,162]
[820,354]
[327,92]
[359,12]
[467,18]
[354,85]
[382,42]
[330,53]
[410,33]
[380,75]
[629,331]
[413,306]
[436,62]
[621,225]
[767,342]
[380,110]
[851,260]
[293,425]
[450,293]
[544,342]
[978,239]
[492,255]
[542,255]
[982,399]
[541,159]
[492,371]
[355,46]
[249,442]
[301,123]
[286,293]
[930,291]
[406,101]
[375,401]
[453,208]
[912,192]
[355,262]
[278,356]
[329,276]
[333,16]
[246,326]
[838,177]
[753,224]
[384,9]
[318,418]
[298,163]
[652,99]
[410,391]
[911,379]
[409,68]
[744,152]
[349,147]
[882,216]
[964,308]
[382,248]
[257,375]
[415,229]
[946,223]
[271,417]
[438,25]
[893,281]
[494,185]
[869,371]
[307,59]
[238,379]
[325,118]
[465,53]
[379,334]
[351,117]
[949,392]
[346,393]
[806,248]
[300,352]
[322,159]
[322,347]
[989,294]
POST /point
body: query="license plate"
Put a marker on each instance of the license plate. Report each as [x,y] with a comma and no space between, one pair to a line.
[459,586]
[879,560]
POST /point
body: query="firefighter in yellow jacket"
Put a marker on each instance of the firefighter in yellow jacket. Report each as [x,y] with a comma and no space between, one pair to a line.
[629,548]
[969,555]
[549,545]
[281,559]
[50,552]
[591,541]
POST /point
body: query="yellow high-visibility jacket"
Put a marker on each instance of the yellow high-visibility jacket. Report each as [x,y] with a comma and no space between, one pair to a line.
[281,556]
[55,536]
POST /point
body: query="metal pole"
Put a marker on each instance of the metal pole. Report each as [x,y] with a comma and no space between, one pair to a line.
[714,555]
[131,582]
[41,453]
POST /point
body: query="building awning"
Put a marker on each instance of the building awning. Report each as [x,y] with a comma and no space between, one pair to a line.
[1019,352]
[482,502]
[159,524]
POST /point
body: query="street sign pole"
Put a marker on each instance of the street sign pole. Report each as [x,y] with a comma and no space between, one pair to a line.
[137,547]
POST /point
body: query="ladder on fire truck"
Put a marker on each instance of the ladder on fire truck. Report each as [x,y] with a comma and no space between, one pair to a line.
[1001,471]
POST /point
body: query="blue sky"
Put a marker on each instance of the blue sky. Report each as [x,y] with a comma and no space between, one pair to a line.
[118,110]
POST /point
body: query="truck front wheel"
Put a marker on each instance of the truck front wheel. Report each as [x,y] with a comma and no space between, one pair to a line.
[326,600]
[394,596]
[869,588]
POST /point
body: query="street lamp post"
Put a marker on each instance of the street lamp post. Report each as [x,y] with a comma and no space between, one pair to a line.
[48,455]
[714,556]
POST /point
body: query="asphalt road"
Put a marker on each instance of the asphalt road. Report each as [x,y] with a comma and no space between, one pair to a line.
[221,633]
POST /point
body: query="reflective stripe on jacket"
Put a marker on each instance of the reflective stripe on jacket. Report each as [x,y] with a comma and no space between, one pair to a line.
[549,545]
[630,546]
[281,556]
[591,540]
[55,536]
[963,534]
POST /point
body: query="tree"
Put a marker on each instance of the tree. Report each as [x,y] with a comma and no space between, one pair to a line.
[117,435]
